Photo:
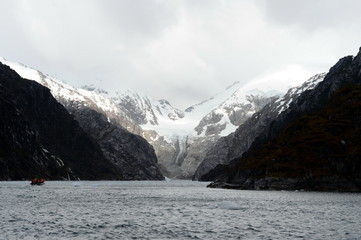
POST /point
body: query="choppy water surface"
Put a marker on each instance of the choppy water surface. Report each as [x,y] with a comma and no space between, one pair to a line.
[172,210]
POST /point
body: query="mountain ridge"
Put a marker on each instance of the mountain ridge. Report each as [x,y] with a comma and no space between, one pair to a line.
[78,102]
[39,138]
[180,138]
[235,144]
[312,145]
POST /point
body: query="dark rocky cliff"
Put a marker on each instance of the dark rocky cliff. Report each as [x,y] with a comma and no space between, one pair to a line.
[313,145]
[38,137]
[131,154]
[235,144]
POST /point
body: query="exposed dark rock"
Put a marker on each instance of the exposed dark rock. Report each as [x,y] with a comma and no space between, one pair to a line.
[235,144]
[137,109]
[38,137]
[238,113]
[314,144]
[130,153]
[196,152]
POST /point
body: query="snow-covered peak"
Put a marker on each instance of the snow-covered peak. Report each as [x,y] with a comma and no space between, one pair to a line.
[232,112]
[63,91]
[235,83]
[21,69]
[225,111]
[283,103]
[220,114]
[282,80]
[268,85]
[164,108]
[206,106]
[92,88]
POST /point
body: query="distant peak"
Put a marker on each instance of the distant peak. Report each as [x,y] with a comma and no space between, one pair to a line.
[232,85]
[92,88]
[269,93]
[164,102]
[88,87]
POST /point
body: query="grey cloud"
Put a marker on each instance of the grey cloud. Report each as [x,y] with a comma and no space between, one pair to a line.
[314,15]
[182,50]
[139,18]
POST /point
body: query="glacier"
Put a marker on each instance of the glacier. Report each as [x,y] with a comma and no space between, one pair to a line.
[180,138]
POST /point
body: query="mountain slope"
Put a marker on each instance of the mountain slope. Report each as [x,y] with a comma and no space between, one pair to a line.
[180,139]
[235,144]
[130,153]
[40,138]
[134,158]
[313,145]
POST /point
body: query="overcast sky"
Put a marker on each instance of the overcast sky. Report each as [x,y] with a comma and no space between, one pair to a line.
[181,50]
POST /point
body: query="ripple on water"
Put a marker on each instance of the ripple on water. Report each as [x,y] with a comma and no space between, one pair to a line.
[172,210]
[230,205]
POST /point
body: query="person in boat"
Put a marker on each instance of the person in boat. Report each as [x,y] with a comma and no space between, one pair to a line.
[37,181]
[34,181]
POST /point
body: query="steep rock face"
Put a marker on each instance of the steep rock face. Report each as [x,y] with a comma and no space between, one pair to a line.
[40,138]
[137,108]
[144,111]
[76,98]
[233,112]
[172,113]
[313,145]
[22,155]
[150,114]
[170,153]
[180,139]
[73,98]
[182,154]
[196,152]
[235,144]
[139,160]
[130,153]
[222,116]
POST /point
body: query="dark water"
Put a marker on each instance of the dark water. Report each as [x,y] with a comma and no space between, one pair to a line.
[172,210]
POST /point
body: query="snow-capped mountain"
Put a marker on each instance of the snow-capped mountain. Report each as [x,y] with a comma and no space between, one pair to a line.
[233,111]
[146,111]
[40,138]
[313,144]
[284,102]
[235,144]
[105,122]
[180,138]
[75,97]
[62,90]
[229,106]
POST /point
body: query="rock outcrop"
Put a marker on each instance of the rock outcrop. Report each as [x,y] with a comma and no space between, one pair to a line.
[103,120]
[130,153]
[313,145]
[38,137]
[235,144]
[181,139]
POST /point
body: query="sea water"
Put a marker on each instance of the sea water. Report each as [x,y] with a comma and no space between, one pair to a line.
[172,210]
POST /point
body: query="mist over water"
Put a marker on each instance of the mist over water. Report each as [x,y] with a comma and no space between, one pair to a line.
[172,210]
